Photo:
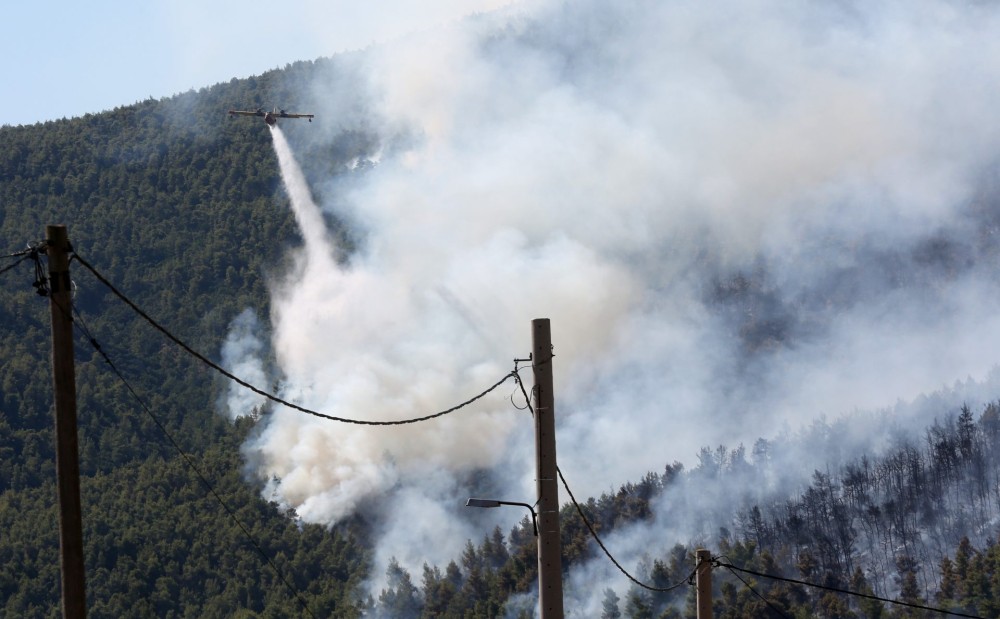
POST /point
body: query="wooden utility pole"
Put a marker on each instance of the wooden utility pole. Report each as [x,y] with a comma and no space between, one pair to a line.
[67,462]
[550,595]
[703,582]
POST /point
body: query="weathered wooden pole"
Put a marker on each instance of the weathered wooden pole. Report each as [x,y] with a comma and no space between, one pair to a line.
[67,448]
[703,583]
[550,595]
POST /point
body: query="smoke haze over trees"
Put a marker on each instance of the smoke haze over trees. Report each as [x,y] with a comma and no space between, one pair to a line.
[745,222]
[737,218]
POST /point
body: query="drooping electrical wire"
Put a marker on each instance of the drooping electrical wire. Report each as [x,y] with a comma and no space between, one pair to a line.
[24,252]
[41,283]
[845,591]
[11,266]
[519,385]
[765,600]
[514,404]
[270,396]
[82,326]
[30,253]
[593,532]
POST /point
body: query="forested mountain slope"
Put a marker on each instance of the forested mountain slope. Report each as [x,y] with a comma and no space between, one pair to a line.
[183,209]
[895,526]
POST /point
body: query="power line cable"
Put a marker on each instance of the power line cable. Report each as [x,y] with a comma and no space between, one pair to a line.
[524,392]
[266,394]
[11,266]
[731,567]
[579,510]
[845,591]
[593,533]
[754,591]
[41,284]
[82,326]
[31,253]
[513,374]
[25,252]
[520,385]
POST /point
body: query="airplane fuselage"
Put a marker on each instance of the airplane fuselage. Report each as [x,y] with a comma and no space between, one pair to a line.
[271,118]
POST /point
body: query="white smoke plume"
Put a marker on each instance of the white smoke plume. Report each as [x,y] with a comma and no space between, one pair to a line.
[740,217]
[242,354]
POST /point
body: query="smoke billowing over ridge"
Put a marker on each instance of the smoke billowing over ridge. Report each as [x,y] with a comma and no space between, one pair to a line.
[739,218]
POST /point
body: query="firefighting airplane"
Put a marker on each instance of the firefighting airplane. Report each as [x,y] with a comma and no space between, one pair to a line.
[270,117]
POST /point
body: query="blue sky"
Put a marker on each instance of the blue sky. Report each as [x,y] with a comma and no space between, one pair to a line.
[65,59]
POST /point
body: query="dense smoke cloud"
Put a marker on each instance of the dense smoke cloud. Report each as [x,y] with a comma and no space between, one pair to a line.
[739,218]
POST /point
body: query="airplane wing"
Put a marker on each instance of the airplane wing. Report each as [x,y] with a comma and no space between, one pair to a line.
[284,114]
[270,117]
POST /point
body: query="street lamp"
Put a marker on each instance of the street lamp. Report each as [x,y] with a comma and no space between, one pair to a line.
[495,503]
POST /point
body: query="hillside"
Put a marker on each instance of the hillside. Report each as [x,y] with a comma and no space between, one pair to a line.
[895,526]
[153,533]
[737,239]
[185,211]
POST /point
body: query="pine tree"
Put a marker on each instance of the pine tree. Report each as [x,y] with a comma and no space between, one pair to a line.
[870,609]
[949,583]
[637,604]
[399,599]
[909,590]
[609,608]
